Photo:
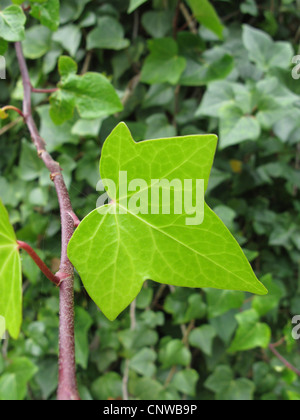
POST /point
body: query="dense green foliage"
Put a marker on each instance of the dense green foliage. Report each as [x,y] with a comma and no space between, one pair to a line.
[233,78]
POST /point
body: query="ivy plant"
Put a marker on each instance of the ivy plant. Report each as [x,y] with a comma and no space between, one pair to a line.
[156,91]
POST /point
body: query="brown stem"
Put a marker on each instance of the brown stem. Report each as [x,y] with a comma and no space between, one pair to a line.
[35,90]
[67,387]
[42,266]
[287,364]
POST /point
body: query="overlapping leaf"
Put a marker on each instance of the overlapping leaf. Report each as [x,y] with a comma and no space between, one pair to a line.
[12,21]
[115,253]
[91,94]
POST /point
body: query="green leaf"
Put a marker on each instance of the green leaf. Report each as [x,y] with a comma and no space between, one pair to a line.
[198,74]
[109,34]
[92,94]
[69,37]
[12,21]
[221,301]
[236,127]
[143,362]
[202,338]
[2,326]
[47,13]
[108,386]
[37,42]
[83,323]
[163,65]
[263,305]
[13,383]
[226,388]
[206,14]
[157,24]
[207,252]
[10,276]
[55,136]
[185,381]
[66,66]
[266,53]
[134,4]
[174,353]
[251,333]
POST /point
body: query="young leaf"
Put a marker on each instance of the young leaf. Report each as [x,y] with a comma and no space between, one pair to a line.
[92,94]
[10,276]
[115,253]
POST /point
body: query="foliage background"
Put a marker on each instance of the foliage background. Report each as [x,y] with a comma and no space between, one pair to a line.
[173,343]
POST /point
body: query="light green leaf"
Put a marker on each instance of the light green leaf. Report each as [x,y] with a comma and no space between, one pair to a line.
[135,247]
[251,333]
[12,21]
[266,53]
[205,13]
[109,34]
[236,127]
[2,326]
[163,65]
[10,276]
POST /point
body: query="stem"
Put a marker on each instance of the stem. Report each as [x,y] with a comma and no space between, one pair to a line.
[35,90]
[12,108]
[67,387]
[287,364]
[42,266]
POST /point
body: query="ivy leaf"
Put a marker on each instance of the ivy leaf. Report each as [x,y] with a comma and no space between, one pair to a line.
[115,253]
[236,127]
[92,94]
[266,53]
[13,382]
[10,276]
[251,333]
[109,34]
[206,14]
[163,65]
[12,21]
[47,13]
